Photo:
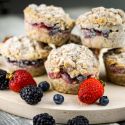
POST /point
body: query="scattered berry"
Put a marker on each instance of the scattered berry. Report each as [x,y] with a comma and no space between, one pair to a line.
[90,91]
[4,81]
[58,99]
[3,74]
[31,94]
[43,119]
[4,84]
[20,79]
[78,120]
[103,101]
[44,86]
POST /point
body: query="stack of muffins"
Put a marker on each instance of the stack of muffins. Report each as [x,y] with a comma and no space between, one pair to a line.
[105,28]
[48,28]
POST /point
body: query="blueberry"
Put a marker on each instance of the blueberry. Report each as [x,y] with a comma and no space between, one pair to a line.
[58,99]
[103,101]
[44,86]
[80,78]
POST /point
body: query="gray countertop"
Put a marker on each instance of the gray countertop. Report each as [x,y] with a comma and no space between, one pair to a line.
[8,119]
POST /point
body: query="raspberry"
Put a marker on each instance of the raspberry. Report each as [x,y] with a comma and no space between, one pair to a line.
[20,79]
[90,91]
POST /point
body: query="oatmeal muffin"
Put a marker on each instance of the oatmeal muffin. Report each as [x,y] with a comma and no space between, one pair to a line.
[102,28]
[114,60]
[47,24]
[68,65]
[20,52]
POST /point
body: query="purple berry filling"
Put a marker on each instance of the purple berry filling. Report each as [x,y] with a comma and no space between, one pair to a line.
[90,33]
[23,63]
[65,76]
[52,29]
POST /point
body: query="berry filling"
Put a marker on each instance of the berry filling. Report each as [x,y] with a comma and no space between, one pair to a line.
[113,68]
[65,76]
[90,33]
[23,63]
[52,29]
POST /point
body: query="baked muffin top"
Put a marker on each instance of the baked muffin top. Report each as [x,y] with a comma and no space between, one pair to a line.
[115,56]
[101,16]
[23,48]
[74,59]
[49,15]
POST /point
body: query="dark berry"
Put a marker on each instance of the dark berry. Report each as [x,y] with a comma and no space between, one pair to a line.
[31,94]
[78,120]
[3,74]
[58,99]
[103,101]
[44,86]
[4,84]
[80,78]
[43,119]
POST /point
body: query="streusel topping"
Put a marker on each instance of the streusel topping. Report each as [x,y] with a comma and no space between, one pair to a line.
[75,59]
[48,15]
[101,16]
[116,56]
[22,47]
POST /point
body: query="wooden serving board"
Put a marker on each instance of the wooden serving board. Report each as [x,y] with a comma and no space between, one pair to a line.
[113,112]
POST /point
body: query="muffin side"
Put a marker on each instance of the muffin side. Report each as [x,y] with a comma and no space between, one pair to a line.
[48,24]
[115,65]
[20,52]
[102,28]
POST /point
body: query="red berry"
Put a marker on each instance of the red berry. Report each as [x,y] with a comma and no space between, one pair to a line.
[20,79]
[90,91]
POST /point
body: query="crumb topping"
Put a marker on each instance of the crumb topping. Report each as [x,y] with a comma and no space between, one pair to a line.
[50,15]
[23,48]
[75,59]
[101,16]
[115,56]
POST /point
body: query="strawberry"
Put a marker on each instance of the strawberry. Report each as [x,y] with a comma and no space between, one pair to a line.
[90,91]
[20,79]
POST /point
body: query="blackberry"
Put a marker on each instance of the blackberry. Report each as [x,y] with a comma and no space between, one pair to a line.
[31,94]
[44,86]
[43,119]
[58,99]
[4,82]
[78,120]
[3,74]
